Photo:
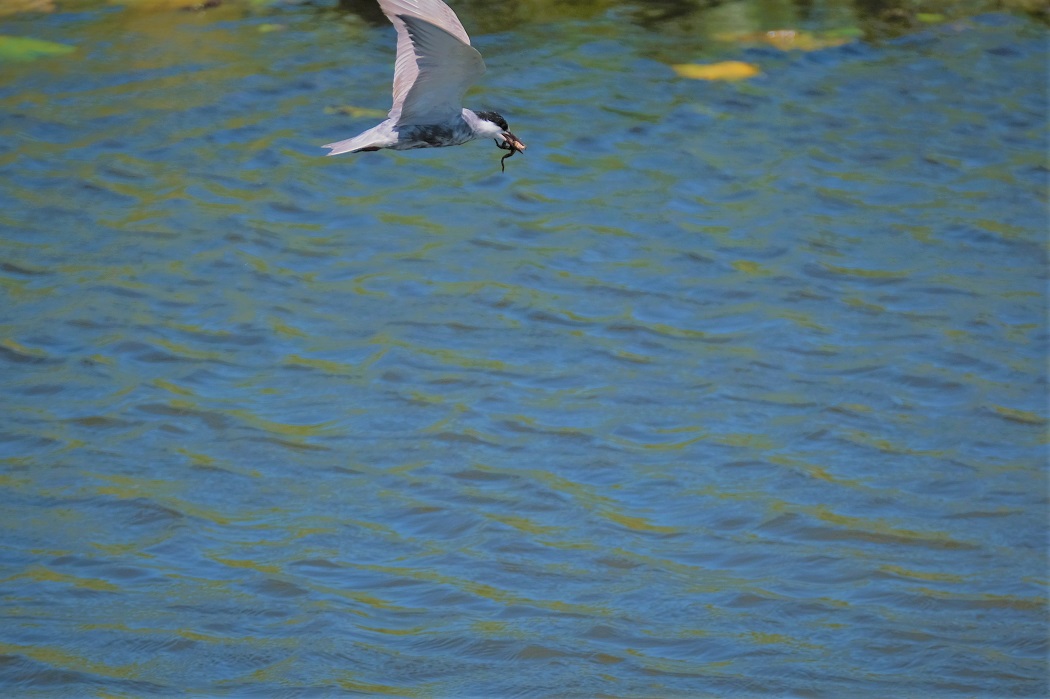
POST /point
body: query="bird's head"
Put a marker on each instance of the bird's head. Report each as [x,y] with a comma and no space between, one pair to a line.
[495,126]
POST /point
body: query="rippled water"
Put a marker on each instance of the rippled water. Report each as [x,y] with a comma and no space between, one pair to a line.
[722,389]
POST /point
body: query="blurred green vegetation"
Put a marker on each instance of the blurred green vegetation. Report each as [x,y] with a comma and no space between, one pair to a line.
[19,48]
[874,17]
[722,19]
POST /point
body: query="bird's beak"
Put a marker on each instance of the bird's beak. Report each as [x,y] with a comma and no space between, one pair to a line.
[512,142]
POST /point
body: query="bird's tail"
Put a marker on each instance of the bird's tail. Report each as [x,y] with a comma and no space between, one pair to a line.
[365,141]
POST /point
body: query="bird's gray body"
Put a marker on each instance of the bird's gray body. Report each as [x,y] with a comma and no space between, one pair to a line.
[390,134]
[434,135]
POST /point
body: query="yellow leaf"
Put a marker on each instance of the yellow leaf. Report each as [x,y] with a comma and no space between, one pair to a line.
[788,39]
[727,70]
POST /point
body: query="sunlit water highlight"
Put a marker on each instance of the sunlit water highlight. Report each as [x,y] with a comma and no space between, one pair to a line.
[720,390]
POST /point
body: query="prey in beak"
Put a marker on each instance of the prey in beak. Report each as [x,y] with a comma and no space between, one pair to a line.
[510,143]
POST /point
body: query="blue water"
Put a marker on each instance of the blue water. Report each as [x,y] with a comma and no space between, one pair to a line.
[721,389]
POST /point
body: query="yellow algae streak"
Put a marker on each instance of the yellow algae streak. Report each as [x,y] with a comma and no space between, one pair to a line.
[57,658]
[524,524]
[1022,416]
[750,267]
[864,273]
[42,574]
[639,524]
[878,531]
[743,439]
[371,688]
[898,571]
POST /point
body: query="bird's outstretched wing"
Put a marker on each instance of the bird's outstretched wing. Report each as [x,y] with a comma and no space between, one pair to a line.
[435,63]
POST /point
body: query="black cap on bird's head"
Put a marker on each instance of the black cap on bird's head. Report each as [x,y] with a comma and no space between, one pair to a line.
[510,141]
[495,118]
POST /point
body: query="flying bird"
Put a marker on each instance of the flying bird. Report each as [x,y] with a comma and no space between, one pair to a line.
[435,66]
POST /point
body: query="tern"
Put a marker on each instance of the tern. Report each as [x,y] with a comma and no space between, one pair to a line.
[435,66]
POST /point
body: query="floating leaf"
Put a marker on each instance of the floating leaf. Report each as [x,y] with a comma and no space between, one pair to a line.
[789,39]
[14,7]
[930,17]
[726,70]
[22,48]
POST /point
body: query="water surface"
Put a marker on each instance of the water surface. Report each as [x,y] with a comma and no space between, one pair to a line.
[722,389]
